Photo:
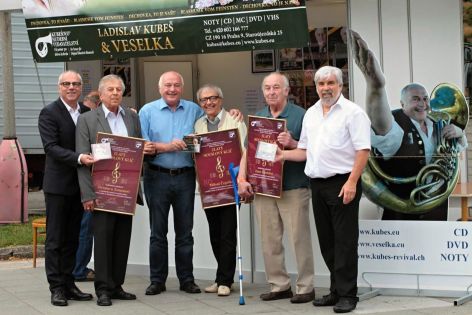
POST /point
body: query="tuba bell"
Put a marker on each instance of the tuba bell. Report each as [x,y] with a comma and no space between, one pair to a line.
[435,181]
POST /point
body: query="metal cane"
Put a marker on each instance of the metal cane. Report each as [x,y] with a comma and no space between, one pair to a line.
[234,171]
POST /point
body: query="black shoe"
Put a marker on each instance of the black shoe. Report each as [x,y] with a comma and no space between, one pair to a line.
[271,296]
[327,300]
[345,305]
[303,298]
[58,298]
[155,288]
[73,293]
[120,294]
[103,299]
[190,287]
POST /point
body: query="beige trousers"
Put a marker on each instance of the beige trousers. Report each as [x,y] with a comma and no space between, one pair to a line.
[289,213]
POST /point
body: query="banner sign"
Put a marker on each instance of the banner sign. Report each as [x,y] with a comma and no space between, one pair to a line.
[264,176]
[116,180]
[415,247]
[217,150]
[103,29]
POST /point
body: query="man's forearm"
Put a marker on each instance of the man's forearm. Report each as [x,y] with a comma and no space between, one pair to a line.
[297,155]
[378,110]
[360,161]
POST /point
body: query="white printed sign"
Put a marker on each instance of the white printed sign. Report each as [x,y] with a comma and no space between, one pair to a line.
[415,247]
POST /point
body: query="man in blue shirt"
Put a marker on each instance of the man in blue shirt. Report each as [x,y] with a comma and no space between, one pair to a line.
[169,180]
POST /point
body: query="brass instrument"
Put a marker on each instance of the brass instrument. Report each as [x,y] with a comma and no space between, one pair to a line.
[434,181]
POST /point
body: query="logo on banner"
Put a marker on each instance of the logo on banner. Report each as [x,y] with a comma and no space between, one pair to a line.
[60,43]
[41,45]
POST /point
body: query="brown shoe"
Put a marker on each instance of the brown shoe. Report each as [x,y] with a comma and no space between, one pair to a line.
[303,298]
[271,296]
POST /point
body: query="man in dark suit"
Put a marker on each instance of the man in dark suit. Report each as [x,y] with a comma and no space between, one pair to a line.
[112,231]
[61,188]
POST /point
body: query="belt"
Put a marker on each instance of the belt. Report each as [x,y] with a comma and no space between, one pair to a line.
[171,171]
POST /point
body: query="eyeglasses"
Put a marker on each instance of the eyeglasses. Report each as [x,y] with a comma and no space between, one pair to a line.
[67,84]
[211,98]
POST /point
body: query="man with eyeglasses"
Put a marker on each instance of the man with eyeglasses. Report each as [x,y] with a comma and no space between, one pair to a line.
[57,123]
[169,180]
[407,131]
[222,219]
[289,213]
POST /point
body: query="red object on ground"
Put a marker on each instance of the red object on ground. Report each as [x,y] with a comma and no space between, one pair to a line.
[13,183]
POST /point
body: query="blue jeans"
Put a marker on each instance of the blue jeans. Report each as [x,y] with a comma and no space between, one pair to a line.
[84,251]
[162,191]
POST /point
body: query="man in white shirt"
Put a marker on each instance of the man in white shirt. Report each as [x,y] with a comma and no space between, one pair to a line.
[335,141]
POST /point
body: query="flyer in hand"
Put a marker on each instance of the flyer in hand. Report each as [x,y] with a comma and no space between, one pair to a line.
[116,180]
[265,176]
[217,150]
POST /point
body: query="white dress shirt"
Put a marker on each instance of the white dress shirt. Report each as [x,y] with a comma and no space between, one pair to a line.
[116,122]
[74,113]
[331,141]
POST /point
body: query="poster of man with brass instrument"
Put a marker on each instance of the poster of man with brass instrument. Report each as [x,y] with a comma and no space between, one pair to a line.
[414,162]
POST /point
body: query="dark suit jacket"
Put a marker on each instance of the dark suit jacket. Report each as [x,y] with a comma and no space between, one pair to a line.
[87,127]
[57,131]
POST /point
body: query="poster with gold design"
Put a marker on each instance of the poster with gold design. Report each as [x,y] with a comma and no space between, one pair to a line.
[265,176]
[116,180]
[217,150]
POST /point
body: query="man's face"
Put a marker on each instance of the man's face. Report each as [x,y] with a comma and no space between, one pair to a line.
[70,88]
[111,94]
[416,104]
[210,102]
[328,90]
[171,89]
[320,35]
[274,90]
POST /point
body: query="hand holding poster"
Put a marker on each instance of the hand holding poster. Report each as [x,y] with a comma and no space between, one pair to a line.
[217,150]
[264,176]
[116,180]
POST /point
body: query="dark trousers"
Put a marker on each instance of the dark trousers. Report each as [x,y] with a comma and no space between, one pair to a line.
[63,216]
[84,251]
[112,235]
[222,225]
[162,191]
[338,232]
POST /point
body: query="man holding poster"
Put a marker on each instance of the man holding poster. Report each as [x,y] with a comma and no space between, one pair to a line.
[112,231]
[221,219]
[169,180]
[290,212]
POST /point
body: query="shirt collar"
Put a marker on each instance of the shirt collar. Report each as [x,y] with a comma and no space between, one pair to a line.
[339,104]
[428,122]
[219,116]
[163,104]
[70,109]
[107,112]
[283,114]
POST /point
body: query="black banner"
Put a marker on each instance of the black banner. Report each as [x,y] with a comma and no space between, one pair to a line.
[94,31]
